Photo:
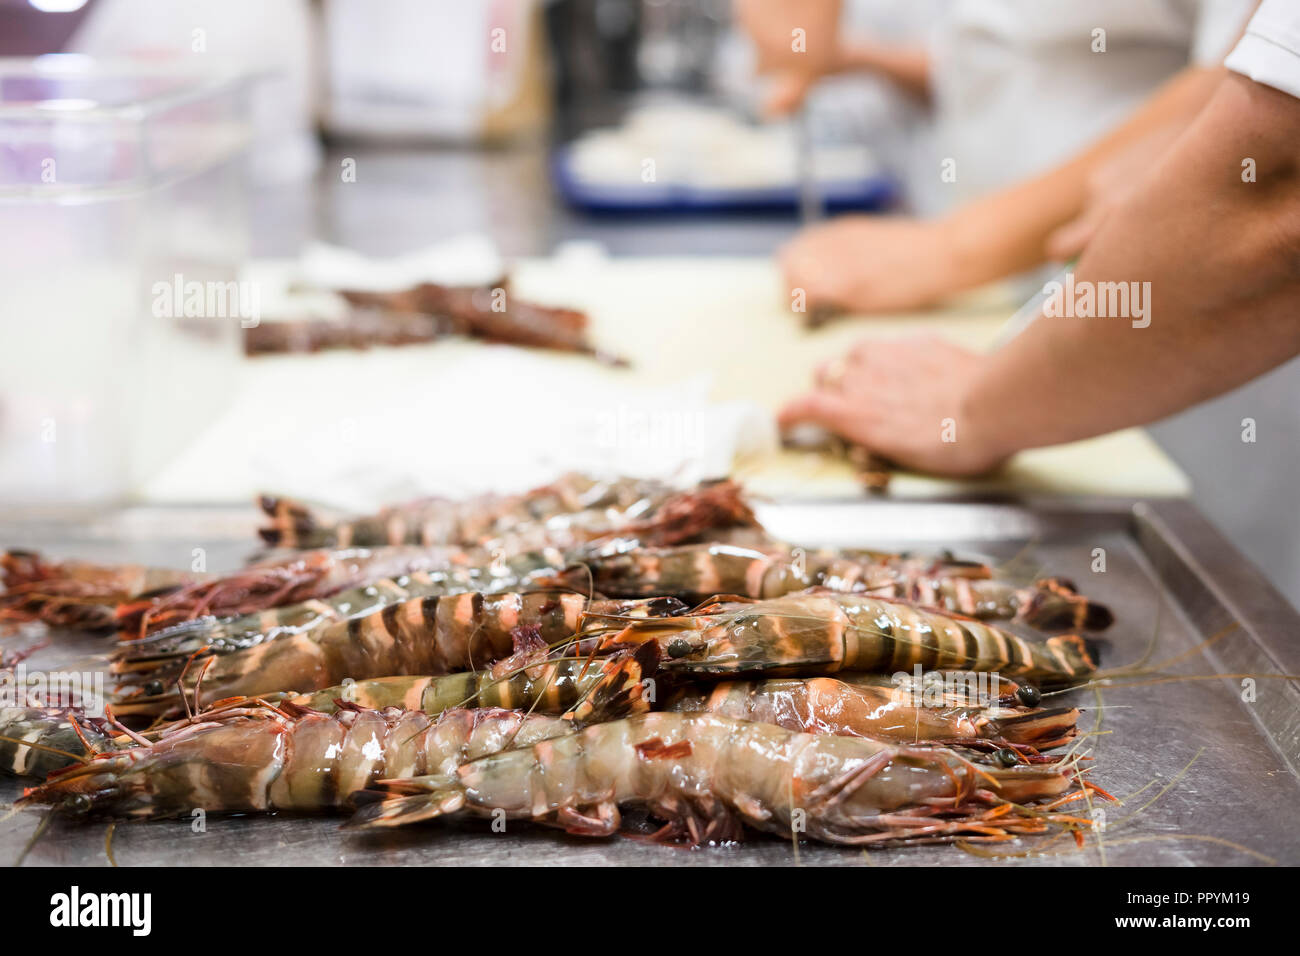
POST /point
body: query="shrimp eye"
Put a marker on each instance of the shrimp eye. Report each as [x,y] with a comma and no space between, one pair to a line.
[678,647]
[154,688]
[77,802]
[1029,695]
[1007,757]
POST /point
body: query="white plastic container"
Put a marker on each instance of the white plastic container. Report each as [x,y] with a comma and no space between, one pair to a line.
[115,179]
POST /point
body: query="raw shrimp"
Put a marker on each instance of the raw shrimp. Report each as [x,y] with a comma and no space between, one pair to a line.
[954,710]
[818,632]
[550,687]
[247,754]
[571,511]
[359,329]
[480,312]
[77,594]
[284,580]
[139,600]
[233,634]
[709,777]
[431,635]
[695,572]
[295,524]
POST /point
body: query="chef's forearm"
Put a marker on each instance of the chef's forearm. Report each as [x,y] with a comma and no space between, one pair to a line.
[906,67]
[1209,248]
[1006,232]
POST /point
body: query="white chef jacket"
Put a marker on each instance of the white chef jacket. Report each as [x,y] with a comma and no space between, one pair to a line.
[1269,52]
[1018,87]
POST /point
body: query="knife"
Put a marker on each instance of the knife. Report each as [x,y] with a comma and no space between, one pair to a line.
[1024,316]
[810,199]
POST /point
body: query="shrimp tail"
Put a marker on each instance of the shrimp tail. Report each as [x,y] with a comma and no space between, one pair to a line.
[404,802]
[24,567]
[1075,654]
[78,605]
[1055,605]
[1040,728]
[33,589]
[294,524]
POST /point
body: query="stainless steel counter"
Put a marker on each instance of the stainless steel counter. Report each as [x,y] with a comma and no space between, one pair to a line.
[1206,777]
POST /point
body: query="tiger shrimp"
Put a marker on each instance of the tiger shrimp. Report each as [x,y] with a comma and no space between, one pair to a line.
[218,636]
[78,594]
[285,580]
[431,635]
[248,754]
[819,632]
[709,777]
[903,711]
[440,520]
[695,572]
[546,687]
[140,600]
[253,756]
[572,511]
[473,311]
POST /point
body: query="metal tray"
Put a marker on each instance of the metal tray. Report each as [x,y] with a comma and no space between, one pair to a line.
[1206,777]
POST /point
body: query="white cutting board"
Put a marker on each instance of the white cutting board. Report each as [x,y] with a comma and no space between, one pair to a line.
[730,317]
[712,346]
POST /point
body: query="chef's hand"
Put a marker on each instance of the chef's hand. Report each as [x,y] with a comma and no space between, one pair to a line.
[872,264]
[793,61]
[905,400]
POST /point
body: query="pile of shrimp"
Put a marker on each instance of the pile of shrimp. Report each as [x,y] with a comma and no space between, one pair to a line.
[559,658]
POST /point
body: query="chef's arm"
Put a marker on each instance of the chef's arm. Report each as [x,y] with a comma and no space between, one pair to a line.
[889,264]
[1007,232]
[800,41]
[1215,230]
[908,68]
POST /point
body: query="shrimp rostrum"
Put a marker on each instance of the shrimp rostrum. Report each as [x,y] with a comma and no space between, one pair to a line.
[708,778]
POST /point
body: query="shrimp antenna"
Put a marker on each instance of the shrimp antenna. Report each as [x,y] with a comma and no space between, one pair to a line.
[591,579]
[198,683]
[1014,566]
[108,843]
[44,747]
[142,741]
[36,835]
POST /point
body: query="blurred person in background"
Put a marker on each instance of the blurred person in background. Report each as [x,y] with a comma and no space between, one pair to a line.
[1211,226]
[1042,109]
